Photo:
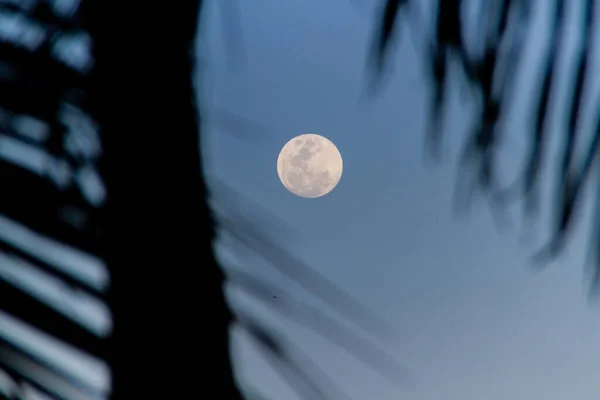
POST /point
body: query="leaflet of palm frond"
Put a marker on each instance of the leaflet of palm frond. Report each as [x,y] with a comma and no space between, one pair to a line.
[567,202]
[21,186]
[44,375]
[22,305]
[505,6]
[51,386]
[320,323]
[46,12]
[67,299]
[434,133]
[528,183]
[472,170]
[42,251]
[305,276]
[569,178]
[486,145]
[512,44]
[485,138]
[485,150]
[299,372]
[520,26]
[448,35]
[11,387]
[448,26]
[52,269]
[494,88]
[581,75]
[465,186]
[385,36]
[590,160]
[448,41]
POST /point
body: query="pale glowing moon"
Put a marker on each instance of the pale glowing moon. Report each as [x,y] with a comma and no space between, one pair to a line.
[309,166]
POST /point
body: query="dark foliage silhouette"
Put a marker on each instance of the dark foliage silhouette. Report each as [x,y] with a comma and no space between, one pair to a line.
[489,63]
[151,188]
[51,221]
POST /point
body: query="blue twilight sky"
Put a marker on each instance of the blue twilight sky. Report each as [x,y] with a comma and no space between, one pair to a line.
[475,322]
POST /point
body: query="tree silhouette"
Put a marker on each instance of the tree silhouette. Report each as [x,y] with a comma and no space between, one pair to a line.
[151,229]
[103,196]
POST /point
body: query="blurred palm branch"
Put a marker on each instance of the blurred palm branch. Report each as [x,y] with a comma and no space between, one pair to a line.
[489,63]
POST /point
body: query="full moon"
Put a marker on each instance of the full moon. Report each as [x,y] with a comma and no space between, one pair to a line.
[309,166]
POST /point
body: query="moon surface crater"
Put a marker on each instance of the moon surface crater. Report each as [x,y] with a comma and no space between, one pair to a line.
[309,165]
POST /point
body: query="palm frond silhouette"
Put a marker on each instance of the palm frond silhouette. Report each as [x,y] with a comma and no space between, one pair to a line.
[52,269]
[490,63]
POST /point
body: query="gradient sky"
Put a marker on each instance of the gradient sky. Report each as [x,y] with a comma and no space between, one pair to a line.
[475,321]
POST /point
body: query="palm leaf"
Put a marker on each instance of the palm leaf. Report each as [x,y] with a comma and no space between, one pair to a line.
[52,270]
[491,77]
